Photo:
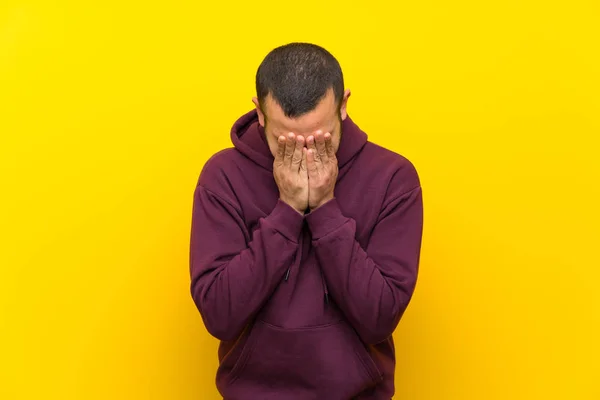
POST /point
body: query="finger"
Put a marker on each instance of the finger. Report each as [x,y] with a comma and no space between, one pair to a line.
[280,149]
[321,151]
[297,157]
[290,145]
[303,166]
[311,145]
[311,163]
[329,146]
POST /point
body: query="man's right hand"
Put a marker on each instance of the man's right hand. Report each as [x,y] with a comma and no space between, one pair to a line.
[290,172]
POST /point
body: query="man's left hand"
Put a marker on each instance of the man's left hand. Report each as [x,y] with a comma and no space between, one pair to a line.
[322,169]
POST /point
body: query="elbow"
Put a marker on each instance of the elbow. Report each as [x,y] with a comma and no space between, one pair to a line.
[219,330]
[375,336]
[218,322]
[381,327]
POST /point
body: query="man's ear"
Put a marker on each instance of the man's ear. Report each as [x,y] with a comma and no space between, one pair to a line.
[344,104]
[261,116]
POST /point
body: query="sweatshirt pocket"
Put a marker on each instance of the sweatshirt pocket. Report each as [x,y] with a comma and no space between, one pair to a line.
[320,362]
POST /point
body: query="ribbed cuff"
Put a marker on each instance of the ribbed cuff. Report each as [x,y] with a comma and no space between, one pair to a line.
[286,220]
[325,219]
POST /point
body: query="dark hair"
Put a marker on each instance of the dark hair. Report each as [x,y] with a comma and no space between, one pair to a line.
[298,75]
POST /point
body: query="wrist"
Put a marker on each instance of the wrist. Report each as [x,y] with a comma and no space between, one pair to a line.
[298,208]
[322,202]
[325,219]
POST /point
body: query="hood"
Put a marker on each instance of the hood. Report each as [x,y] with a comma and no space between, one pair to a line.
[248,137]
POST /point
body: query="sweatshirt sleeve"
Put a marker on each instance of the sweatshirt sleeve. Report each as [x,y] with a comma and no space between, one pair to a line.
[232,277]
[372,286]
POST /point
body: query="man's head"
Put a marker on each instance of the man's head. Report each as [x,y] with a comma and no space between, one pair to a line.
[300,89]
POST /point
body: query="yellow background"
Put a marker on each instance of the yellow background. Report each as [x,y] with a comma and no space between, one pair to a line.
[109,110]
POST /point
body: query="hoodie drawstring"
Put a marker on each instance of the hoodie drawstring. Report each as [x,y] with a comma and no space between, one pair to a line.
[325,290]
[298,261]
[297,258]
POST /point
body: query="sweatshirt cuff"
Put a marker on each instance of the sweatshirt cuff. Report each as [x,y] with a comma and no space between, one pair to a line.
[286,220]
[325,219]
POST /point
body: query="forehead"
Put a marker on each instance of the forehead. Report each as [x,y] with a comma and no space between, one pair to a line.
[323,117]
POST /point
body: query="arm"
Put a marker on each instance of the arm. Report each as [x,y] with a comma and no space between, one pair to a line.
[372,286]
[231,278]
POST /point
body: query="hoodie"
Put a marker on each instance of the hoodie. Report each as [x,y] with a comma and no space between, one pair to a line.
[304,306]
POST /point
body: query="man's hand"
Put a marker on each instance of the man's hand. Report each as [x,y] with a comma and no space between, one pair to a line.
[290,171]
[322,169]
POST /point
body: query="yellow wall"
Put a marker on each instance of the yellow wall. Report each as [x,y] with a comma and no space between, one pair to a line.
[108,112]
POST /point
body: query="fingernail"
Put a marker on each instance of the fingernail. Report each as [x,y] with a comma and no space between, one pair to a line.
[291,135]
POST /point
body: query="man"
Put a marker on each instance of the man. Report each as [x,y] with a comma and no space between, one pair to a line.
[305,242]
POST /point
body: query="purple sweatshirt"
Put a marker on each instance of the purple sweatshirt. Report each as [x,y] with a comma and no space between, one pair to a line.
[305,306]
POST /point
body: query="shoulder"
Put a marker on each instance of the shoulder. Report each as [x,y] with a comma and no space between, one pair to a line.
[215,171]
[399,172]
[217,166]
